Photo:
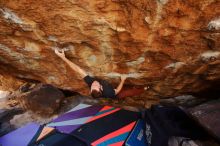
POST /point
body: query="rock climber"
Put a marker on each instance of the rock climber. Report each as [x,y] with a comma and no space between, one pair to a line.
[98,87]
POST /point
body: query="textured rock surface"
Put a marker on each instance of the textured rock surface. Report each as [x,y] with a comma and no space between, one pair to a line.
[9,83]
[173,46]
[207,115]
[42,99]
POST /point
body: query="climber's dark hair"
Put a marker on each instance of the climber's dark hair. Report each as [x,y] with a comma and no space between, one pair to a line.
[96,94]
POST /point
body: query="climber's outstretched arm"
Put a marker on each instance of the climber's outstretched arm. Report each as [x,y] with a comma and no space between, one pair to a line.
[72,65]
[118,89]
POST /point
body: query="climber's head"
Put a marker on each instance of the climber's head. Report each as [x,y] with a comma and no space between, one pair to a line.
[96,89]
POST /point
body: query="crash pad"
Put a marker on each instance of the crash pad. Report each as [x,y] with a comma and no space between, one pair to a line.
[21,136]
[137,136]
[111,126]
[74,118]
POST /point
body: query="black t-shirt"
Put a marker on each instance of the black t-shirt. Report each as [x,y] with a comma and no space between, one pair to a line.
[108,90]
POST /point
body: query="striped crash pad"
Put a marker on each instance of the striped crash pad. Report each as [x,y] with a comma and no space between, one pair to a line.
[74,118]
[57,139]
[21,136]
[86,124]
[137,136]
[110,126]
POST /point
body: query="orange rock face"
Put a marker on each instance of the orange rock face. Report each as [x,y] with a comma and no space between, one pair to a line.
[171,46]
[9,83]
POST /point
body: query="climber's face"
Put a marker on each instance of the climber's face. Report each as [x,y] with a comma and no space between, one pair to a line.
[96,86]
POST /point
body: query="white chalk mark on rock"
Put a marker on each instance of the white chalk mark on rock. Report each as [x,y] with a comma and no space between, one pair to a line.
[214,24]
[112,26]
[92,58]
[209,55]
[175,65]
[52,79]
[52,38]
[129,75]
[68,48]
[136,62]
[163,1]
[15,55]
[11,16]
